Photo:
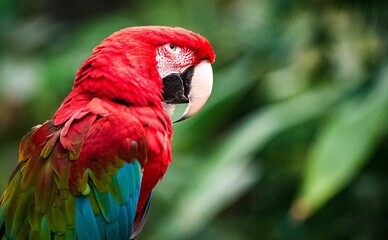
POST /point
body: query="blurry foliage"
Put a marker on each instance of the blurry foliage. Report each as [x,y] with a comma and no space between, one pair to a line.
[291,145]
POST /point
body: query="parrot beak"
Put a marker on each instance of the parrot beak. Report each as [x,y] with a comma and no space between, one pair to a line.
[193,86]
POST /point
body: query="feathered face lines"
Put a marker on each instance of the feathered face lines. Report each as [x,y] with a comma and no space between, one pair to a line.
[173,59]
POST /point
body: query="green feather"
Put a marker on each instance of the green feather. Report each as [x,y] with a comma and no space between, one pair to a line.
[24,231]
[56,221]
[20,213]
[68,210]
[71,235]
[61,166]
[35,218]
[44,190]
[45,231]
[31,171]
[107,205]
[60,237]
[49,146]
[12,197]
[82,183]
[114,189]
[25,147]
[100,178]
[94,204]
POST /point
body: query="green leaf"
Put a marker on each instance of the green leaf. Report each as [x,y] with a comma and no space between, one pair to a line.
[343,147]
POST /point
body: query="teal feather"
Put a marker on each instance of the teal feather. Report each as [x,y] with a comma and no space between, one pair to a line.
[86,226]
[107,204]
[45,231]
[115,218]
[101,223]
[138,174]
[124,223]
[112,230]
[125,183]
[130,192]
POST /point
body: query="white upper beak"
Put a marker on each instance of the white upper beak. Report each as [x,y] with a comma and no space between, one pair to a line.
[201,87]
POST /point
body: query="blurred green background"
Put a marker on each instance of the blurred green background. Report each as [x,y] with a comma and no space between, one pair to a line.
[293,142]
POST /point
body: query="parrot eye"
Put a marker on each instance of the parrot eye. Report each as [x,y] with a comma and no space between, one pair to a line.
[172,48]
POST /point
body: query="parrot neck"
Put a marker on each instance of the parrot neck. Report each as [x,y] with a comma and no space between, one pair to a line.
[120,79]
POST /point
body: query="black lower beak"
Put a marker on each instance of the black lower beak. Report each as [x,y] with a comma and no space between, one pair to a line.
[176,87]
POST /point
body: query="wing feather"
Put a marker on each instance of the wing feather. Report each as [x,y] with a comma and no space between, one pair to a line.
[86,224]
[79,178]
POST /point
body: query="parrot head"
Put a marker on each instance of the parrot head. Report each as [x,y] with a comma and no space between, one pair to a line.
[151,65]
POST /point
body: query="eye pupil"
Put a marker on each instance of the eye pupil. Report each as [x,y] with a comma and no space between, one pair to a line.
[172,47]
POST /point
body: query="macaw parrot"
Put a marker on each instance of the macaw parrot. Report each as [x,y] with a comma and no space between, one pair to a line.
[89,171]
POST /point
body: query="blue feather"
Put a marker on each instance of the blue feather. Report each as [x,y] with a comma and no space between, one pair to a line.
[101,223]
[124,224]
[112,230]
[125,179]
[115,218]
[108,206]
[131,214]
[86,227]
